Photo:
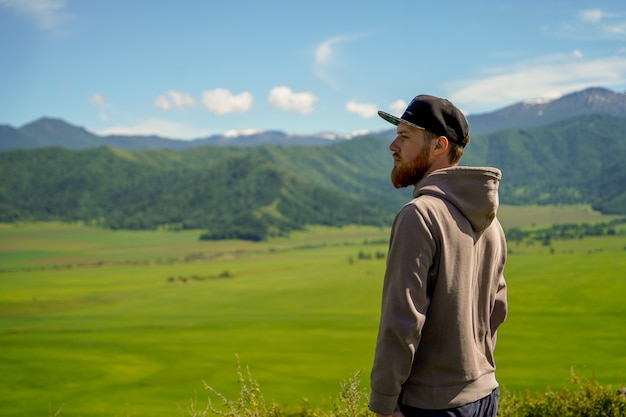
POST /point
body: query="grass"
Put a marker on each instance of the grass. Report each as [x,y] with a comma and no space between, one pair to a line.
[524,216]
[96,322]
[566,312]
[121,338]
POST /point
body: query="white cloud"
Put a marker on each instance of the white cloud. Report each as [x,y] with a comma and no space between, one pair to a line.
[364,110]
[398,107]
[221,101]
[173,99]
[577,53]
[547,77]
[97,100]
[158,127]
[286,100]
[47,14]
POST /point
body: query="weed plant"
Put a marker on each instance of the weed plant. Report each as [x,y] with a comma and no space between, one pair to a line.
[585,398]
[251,403]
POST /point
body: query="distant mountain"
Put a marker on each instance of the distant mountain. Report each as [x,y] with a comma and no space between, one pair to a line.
[536,113]
[48,132]
[54,132]
[260,191]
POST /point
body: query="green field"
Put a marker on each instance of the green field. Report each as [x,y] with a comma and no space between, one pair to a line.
[116,323]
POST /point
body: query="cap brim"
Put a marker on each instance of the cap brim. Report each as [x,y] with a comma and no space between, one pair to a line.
[396,120]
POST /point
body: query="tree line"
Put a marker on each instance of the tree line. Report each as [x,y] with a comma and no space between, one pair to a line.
[565,231]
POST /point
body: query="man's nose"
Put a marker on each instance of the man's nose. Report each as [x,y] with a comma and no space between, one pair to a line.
[393,146]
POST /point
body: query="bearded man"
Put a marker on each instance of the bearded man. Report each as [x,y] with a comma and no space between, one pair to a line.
[444,293]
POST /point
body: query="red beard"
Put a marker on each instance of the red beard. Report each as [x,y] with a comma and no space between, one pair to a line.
[412,172]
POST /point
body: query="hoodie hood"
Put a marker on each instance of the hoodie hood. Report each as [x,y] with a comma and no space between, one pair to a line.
[472,190]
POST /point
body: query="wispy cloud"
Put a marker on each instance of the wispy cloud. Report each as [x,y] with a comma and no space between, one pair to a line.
[48,15]
[591,15]
[221,101]
[326,59]
[324,53]
[98,101]
[605,22]
[173,99]
[285,99]
[548,76]
[592,24]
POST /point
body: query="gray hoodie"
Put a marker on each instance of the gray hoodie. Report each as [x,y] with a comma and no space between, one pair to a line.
[444,295]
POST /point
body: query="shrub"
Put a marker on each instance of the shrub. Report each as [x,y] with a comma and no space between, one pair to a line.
[584,399]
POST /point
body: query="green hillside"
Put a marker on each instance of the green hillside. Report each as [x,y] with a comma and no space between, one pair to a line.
[232,193]
[256,192]
[580,160]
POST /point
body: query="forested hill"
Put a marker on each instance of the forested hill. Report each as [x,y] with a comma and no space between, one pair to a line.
[247,193]
[255,192]
[580,160]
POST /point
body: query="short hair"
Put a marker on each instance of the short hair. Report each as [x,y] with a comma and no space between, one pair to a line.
[429,136]
[455,151]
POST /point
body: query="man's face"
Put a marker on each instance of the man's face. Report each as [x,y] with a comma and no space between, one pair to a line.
[411,156]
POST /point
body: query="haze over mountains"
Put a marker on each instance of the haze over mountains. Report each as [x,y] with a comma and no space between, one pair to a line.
[55,132]
[251,192]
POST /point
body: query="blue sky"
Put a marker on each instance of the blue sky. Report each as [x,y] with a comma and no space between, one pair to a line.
[190,69]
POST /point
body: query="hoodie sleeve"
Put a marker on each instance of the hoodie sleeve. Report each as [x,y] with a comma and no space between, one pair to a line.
[405,301]
[499,303]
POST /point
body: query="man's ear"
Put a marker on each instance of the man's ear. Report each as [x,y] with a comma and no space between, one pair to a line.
[440,145]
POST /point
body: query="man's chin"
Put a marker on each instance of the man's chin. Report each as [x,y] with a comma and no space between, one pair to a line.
[398,180]
[410,174]
[398,185]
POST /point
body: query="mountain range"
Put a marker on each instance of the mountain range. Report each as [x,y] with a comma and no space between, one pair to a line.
[55,132]
[535,113]
[252,192]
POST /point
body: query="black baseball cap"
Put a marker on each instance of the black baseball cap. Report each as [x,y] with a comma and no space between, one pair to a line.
[436,115]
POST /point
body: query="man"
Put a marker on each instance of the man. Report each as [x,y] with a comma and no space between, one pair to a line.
[444,293]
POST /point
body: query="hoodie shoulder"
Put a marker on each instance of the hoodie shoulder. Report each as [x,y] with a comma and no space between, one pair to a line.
[472,190]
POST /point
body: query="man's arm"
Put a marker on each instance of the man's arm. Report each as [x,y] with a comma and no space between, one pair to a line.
[405,301]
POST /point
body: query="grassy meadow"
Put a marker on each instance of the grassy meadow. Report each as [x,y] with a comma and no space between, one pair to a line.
[115,323]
